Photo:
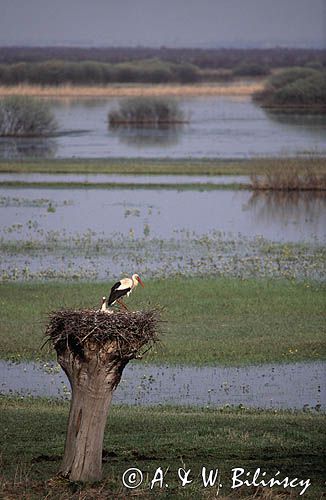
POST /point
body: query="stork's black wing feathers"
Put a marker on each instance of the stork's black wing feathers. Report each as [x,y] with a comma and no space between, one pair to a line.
[116,294]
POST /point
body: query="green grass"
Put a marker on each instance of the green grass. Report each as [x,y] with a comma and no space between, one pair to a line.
[159,167]
[207,321]
[32,434]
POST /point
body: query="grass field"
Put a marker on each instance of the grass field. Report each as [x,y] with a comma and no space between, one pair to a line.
[161,167]
[32,434]
[206,321]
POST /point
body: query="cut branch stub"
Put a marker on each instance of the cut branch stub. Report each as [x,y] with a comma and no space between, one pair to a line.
[93,348]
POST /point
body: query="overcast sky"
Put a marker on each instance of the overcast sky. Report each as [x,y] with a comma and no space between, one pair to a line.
[163,22]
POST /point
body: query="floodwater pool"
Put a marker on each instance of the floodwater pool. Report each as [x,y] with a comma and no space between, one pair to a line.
[283,386]
[219,127]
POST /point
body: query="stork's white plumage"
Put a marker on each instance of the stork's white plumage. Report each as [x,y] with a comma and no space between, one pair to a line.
[122,288]
[104,307]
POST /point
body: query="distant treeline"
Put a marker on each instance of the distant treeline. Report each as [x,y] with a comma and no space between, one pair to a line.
[92,72]
[203,58]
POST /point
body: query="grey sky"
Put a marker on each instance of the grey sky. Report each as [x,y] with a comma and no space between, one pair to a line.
[162,22]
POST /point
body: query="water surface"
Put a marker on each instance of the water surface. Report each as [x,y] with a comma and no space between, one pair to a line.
[292,386]
[219,127]
[163,214]
[125,178]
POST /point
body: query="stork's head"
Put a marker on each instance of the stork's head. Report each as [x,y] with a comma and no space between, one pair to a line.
[136,279]
[103,300]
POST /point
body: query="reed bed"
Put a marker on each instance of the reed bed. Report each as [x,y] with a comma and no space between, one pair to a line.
[146,111]
[25,116]
[239,88]
[289,178]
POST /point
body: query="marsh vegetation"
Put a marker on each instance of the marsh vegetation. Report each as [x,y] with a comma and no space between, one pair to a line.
[243,129]
[147,111]
[290,177]
[170,167]
[295,88]
[241,275]
[59,65]
[23,116]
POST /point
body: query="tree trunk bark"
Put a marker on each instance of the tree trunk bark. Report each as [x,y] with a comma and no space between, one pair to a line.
[93,380]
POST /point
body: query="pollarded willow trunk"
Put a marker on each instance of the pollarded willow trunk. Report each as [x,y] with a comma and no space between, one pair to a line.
[92,381]
[93,348]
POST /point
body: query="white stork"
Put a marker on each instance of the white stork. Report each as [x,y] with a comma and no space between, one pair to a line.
[122,288]
[104,307]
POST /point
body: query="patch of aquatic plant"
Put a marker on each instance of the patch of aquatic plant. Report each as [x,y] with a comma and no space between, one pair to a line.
[153,111]
[64,256]
[24,116]
[12,201]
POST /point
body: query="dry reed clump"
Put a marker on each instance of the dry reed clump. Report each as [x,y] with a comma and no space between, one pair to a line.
[117,90]
[84,330]
[25,116]
[289,178]
[153,111]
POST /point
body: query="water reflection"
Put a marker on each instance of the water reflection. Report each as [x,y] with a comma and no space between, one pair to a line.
[144,136]
[171,212]
[314,123]
[12,148]
[282,206]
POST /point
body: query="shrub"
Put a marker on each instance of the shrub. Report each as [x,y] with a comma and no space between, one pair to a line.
[290,75]
[186,73]
[300,87]
[25,116]
[146,110]
[303,92]
[315,65]
[251,69]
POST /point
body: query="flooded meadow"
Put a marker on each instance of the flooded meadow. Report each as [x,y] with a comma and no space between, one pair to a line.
[197,225]
[267,386]
[219,127]
[99,233]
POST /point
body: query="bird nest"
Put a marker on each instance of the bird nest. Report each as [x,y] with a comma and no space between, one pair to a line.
[83,330]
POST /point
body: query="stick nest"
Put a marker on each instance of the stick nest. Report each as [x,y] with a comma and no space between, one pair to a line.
[87,329]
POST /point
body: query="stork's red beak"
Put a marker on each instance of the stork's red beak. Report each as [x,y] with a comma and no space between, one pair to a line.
[140,281]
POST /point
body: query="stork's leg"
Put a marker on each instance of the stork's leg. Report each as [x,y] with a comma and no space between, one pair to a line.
[122,304]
